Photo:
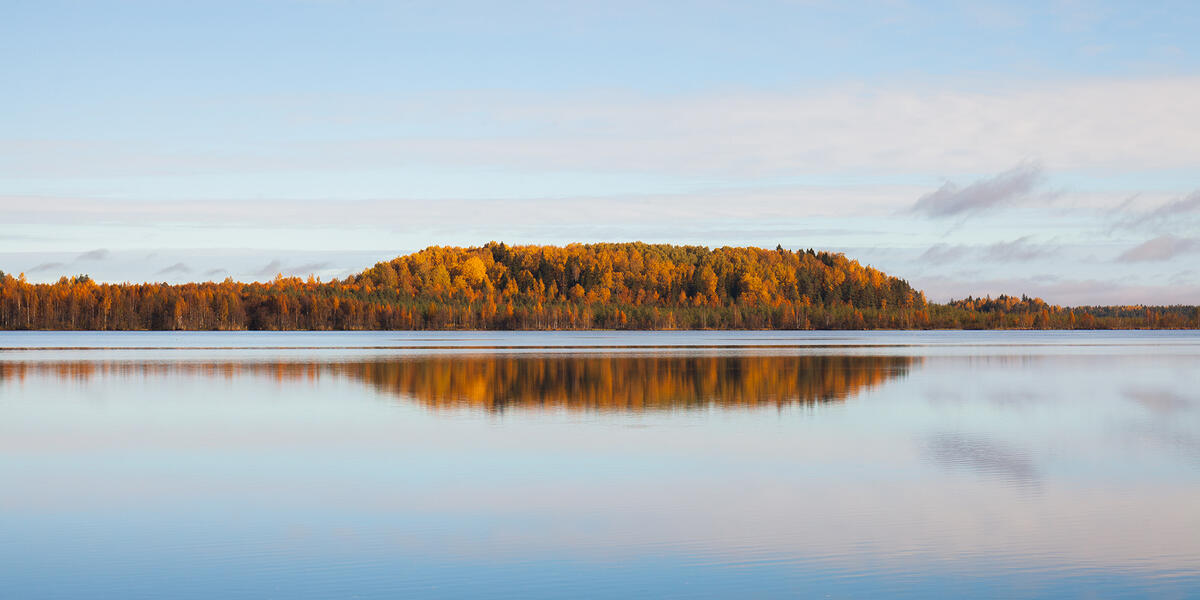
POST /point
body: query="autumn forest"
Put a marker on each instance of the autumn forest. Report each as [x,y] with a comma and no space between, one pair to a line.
[579,286]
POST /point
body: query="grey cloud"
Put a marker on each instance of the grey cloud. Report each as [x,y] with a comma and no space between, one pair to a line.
[1184,277]
[271,268]
[307,268]
[1163,247]
[940,254]
[969,274]
[1004,189]
[276,266]
[175,268]
[1162,215]
[46,266]
[211,272]
[1018,250]
[1187,204]
[97,254]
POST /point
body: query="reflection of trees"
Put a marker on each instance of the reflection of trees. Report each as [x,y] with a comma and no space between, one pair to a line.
[576,382]
[614,382]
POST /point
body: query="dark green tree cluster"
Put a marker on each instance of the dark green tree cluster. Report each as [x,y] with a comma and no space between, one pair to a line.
[1010,312]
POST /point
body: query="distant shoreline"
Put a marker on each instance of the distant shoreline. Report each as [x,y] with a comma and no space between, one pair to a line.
[592,287]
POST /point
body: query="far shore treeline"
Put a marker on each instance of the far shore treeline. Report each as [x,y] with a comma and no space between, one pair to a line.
[579,286]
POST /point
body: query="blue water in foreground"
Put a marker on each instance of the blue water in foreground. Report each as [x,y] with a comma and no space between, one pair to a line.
[600,465]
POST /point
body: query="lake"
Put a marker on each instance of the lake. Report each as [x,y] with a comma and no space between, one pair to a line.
[600,464]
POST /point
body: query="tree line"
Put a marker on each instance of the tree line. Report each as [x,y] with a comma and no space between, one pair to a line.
[579,286]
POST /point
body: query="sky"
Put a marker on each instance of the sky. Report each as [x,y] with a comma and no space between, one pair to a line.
[1042,148]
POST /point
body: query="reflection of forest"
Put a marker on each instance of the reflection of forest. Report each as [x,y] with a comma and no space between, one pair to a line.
[614,382]
[576,382]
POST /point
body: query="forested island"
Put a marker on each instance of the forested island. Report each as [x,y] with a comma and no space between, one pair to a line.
[579,286]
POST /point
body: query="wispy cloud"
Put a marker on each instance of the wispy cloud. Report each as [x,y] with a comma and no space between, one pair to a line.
[277,266]
[1163,247]
[1185,277]
[720,204]
[940,254]
[272,268]
[97,254]
[1164,216]
[1018,250]
[1097,124]
[307,268]
[175,268]
[46,266]
[1004,189]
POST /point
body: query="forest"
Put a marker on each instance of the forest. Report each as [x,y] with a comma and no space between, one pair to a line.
[578,286]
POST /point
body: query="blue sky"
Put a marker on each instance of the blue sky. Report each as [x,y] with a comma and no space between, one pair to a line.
[1046,148]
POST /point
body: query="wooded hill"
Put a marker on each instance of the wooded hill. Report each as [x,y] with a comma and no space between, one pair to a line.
[579,286]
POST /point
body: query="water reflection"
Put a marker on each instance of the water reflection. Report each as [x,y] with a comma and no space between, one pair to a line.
[628,383]
[584,382]
[1164,402]
[623,474]
[984,457]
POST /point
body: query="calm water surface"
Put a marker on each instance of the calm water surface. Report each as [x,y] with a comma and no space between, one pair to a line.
[607,465]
